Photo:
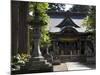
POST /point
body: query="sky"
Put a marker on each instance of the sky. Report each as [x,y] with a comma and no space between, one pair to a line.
[67,6]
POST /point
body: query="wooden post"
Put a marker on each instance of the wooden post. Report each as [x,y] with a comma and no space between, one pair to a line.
[23,28]
[14,27]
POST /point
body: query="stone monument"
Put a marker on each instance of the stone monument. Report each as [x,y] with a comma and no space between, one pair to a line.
[37,63]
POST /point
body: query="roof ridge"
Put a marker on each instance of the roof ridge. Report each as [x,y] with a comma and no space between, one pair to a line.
[68,21]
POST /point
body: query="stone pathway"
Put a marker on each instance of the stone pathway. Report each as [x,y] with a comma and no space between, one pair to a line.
[76,66]
[61,67]
[70,66]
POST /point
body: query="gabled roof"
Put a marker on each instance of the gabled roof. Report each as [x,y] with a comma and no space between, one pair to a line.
[56,19]
[67,22]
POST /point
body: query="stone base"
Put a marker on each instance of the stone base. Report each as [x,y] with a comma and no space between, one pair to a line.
[49,58]
[36,65]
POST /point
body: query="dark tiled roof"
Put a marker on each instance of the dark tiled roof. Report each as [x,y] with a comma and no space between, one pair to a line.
[64,13]
[75,19]
[67,22]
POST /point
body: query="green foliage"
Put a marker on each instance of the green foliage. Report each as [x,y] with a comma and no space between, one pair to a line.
[44,20]
[20,59]
[45,37]
[42,8]
[79,8]
[56,7]
[90,20]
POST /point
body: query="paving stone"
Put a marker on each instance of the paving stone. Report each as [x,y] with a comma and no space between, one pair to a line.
[61,67]
[76,66]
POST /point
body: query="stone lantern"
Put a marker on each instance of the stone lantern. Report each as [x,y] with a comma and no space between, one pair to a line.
[37,63]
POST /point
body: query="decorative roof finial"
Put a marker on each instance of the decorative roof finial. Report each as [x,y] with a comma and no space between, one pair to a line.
[68,13]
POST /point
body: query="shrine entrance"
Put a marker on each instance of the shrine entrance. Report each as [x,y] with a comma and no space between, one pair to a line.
[69,47]
[67,43]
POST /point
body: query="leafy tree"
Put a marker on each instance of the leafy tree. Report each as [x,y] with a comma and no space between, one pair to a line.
[79,8]
[90,20]
[44,20]
[90,23]
[45,37]
[42,8]
[56,7]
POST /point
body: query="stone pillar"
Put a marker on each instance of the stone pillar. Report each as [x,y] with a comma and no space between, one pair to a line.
[14,27]
[37,62]
[36,50]
[37,34]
